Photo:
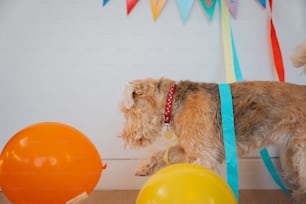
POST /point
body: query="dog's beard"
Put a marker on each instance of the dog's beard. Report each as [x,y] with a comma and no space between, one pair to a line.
[140,142]
[140,135]
[136,141]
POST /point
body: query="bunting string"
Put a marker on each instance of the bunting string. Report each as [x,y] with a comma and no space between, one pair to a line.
[185,7]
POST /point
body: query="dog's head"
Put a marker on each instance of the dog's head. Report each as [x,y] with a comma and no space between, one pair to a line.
[143,108]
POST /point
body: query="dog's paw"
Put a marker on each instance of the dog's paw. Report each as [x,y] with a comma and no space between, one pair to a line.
[144,170]
[149,166]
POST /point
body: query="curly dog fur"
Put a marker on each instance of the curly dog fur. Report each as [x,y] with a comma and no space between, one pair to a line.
[298,58]
[265,113]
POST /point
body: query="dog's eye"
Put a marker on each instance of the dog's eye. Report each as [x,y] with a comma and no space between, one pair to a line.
[134,94]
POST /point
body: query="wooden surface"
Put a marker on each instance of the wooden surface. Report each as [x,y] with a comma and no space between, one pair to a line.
[252,175]
[129,197]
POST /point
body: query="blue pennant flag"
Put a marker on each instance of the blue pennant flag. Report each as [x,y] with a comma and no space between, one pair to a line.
[263,3]
[184,7]
[105,2]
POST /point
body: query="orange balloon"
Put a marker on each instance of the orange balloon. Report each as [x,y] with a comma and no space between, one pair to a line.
[49,163]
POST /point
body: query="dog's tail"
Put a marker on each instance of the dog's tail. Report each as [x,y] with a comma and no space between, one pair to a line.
[298,59]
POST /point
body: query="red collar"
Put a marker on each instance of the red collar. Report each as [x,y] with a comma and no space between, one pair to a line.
[169,102]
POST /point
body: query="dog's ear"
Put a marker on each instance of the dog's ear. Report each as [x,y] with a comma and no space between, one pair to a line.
[132,90]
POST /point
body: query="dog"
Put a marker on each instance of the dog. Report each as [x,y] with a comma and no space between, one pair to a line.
[298,58]
[266,113]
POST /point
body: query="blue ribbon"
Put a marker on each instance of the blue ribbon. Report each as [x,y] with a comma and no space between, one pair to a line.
[229,137]
[270,166]
[238,73]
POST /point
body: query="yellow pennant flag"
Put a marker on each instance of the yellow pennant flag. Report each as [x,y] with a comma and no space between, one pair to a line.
[157,6]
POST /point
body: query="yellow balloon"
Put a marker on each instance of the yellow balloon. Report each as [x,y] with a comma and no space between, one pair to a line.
[186,184]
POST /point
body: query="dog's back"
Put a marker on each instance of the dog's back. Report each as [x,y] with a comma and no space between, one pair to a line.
[264,109]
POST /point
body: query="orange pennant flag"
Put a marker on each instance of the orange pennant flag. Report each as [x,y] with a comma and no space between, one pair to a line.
[157,6]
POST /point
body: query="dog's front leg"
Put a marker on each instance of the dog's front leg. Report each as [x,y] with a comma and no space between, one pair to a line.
[150,165]
[156,161]
[211,164]
[209,160]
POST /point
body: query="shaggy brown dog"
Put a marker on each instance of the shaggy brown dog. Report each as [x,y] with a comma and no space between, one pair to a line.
[265,113]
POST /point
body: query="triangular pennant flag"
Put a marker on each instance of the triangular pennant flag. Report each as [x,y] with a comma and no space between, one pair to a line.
[130,4]
[105,2]
[263,3]
[184,7]
[157,6]
[209,6]
[232,6]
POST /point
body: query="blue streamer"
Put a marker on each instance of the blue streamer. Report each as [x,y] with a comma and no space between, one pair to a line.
[229,137]
[238,73]
[270,166]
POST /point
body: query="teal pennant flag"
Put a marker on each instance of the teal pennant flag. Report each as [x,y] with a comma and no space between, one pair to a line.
[209,7]
[184,7]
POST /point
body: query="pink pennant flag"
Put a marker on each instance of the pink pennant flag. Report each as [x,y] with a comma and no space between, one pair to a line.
[157,6]
[232,6]
[130,4]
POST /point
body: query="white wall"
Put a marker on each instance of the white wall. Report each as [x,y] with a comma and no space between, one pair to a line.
[68,61]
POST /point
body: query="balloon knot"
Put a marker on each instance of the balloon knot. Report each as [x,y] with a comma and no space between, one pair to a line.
[104,166]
